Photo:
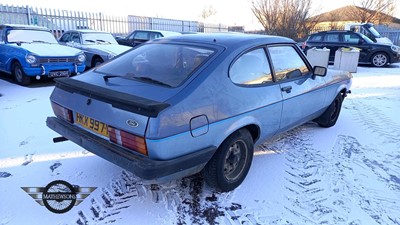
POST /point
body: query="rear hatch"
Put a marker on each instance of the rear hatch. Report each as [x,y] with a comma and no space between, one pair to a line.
[122,103]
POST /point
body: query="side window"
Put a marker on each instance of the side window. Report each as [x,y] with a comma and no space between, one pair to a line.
[141,35]
[287,62]
[251,68]
[332,37]
[75,38]
[351,38]
[317,37]
[155,35]
[66,37]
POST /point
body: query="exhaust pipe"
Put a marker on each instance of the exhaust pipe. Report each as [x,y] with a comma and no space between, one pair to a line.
[59,139]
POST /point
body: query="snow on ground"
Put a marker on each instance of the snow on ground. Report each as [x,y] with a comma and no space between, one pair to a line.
[347,174]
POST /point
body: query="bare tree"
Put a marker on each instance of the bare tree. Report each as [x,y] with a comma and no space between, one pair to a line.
[375,11]
[207,12]
[289,18]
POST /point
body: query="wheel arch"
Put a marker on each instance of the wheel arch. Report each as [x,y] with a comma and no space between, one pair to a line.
[11,65]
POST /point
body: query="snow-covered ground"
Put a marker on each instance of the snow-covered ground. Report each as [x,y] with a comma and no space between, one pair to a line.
[347,174]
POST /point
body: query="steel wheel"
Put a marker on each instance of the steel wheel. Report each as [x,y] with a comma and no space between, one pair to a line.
[20,75]
[229,166]
[235,158]
[379,59]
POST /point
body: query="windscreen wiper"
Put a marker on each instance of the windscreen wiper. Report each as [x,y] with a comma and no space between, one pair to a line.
[99,40]
[152,80]
[106,77]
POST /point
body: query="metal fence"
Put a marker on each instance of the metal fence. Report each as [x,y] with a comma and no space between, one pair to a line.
[59,21]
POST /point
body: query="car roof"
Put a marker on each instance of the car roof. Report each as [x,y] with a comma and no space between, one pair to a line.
[164,32]
[228,39]
[87,31]
[334,31]
[21,26]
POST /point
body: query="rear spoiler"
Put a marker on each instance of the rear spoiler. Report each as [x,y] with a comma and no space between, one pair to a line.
[127,102]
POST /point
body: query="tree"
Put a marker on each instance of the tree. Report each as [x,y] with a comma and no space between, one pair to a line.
[375,11]
[289,18]
[207,12]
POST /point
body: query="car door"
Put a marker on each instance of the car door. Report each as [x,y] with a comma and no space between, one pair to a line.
[302,93]
[355,40]
[252,73]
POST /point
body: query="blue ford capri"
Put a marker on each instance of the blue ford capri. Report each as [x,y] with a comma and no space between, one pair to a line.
[181,105]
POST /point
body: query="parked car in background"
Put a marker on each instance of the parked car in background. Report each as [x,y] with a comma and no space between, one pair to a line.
[98,46]
[179,105]
[138,37]
[370,52]
[32,51]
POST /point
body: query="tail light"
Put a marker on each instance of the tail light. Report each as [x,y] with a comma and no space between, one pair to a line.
[127,140]
[62,112]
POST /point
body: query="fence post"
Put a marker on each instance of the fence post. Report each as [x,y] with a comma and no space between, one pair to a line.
[101,21]
[28,14]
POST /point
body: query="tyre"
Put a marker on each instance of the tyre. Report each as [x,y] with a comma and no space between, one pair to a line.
[379,59]
[97,61]
[231,162]
[20,75]
[331,114]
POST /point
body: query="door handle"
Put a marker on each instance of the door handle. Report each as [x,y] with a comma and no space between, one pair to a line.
[287,89]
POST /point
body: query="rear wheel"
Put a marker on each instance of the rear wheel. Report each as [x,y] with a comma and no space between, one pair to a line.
[230,164]
[20,75]
[379,59]
[330,116]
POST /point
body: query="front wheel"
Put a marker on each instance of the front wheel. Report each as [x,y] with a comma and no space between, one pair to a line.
[230,164]
[97,61]
[331,114]
[20,75]
[379,59]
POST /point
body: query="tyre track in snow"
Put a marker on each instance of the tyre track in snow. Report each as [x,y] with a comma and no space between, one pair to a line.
[342,184]
[187,199]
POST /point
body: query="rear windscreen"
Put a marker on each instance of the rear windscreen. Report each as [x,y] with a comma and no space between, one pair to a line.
[164,64]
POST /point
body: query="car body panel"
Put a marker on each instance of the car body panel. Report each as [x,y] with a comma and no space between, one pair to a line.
[50,56]
[201,111]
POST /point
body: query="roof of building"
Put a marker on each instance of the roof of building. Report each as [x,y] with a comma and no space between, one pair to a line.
[347,13]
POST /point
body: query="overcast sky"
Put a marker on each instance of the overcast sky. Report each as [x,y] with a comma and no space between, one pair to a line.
[229,12]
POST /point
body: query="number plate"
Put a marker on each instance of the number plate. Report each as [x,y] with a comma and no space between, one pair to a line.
[62,73]
[92,124]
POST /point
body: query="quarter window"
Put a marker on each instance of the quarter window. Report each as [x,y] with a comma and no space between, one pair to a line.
[251,68]
[287,62]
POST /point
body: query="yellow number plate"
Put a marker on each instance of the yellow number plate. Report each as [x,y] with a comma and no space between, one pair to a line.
[92,124]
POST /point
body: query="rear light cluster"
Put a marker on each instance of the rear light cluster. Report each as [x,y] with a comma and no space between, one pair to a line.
[62,112]
[127,140]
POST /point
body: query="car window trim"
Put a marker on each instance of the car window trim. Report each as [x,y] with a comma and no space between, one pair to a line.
[252,85]
[302,56]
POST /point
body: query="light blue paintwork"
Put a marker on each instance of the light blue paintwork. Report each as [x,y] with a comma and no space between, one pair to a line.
[208,106]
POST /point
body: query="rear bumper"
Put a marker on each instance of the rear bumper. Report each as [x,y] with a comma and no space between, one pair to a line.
[140,165]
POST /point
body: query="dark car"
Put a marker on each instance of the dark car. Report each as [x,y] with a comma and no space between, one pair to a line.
[370,52]
[176,106]
[138,37]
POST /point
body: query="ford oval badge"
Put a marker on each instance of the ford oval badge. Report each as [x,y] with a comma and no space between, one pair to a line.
[132,123]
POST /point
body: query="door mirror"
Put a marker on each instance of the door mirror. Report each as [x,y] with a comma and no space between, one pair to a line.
[361,41]
[319,71]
